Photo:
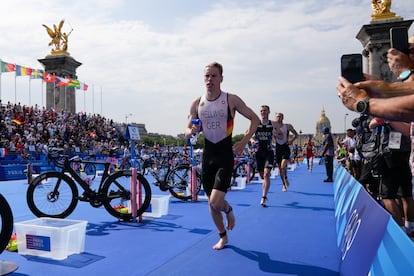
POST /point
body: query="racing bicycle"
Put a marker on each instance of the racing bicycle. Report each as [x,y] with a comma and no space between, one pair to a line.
[6,220]
[172,176]
[55,193]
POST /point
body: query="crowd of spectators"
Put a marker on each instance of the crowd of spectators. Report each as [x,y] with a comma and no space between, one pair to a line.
[32,130]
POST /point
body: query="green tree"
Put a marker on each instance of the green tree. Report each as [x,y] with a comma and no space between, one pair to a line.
[237,138]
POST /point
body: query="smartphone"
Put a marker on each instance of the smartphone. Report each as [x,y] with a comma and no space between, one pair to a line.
[399,39]
[351,67]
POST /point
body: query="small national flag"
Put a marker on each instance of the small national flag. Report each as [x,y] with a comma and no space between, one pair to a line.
[23,71]
[3,152]
[83,86]
[62,81]
[37,74]
[49,77]
[7,67]
[74,83]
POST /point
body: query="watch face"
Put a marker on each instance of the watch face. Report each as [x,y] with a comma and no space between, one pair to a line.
[404,74]
[361,106]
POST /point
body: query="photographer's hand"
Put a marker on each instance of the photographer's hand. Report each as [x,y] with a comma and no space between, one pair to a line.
[375,88]
[398,61]
[349,94]
[383,89]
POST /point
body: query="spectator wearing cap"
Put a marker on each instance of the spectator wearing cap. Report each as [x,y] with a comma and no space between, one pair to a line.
[328,153]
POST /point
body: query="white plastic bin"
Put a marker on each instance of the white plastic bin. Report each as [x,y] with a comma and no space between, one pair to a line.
[50,237]
[239,183]
[274,173]
[158,206]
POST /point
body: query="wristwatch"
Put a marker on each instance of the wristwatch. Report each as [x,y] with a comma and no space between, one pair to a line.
[405,75]
[362,106]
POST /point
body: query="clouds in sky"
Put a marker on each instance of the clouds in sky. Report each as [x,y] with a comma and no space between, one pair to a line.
[147,57]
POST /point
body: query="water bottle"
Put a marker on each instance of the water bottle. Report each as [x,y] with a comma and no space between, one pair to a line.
[194,137]
[197,122]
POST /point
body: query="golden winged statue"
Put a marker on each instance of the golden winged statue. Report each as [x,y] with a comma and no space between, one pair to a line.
[59,39]
[382,10]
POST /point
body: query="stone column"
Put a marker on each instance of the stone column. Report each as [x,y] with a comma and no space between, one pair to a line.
[375,39]
[60,98]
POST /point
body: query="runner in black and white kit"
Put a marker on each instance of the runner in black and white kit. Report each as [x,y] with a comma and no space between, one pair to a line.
[264,154]
[283,141]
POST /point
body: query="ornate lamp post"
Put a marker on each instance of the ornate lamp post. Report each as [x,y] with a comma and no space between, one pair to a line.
[346,115]
[126,117]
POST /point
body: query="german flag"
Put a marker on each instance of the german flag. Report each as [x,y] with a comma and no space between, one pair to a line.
[17,122]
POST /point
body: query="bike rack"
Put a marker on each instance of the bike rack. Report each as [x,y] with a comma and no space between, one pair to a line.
[193,164]
[248,171]
[134,202]
[132,134]
[193,183]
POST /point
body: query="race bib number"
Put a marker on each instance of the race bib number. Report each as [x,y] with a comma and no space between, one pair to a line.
[395,140]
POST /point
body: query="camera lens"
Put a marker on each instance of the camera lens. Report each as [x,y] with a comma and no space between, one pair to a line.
[355,122]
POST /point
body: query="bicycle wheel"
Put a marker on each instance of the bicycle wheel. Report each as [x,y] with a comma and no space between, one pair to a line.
[178,181]
[6,220]
[90,170]
[52,194]
[240,170]
[117,190]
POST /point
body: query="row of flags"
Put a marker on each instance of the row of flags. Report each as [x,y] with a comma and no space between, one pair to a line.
[40,74]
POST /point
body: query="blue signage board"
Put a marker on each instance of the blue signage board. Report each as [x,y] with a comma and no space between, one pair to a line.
[360,225]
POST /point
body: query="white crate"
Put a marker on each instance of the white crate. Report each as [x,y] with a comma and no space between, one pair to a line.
[158,206]
[239,183]
[202,195]
[291,167]
[256,179]
[50,237]
[274,173]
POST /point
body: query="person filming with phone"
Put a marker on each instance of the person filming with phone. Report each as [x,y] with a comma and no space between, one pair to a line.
[390,101]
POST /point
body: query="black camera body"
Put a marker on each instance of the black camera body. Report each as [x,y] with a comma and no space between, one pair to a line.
[361,124]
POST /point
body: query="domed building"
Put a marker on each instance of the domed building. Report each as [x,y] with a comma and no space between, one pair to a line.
[322,122]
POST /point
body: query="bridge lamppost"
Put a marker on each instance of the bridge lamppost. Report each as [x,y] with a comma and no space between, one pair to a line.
[126,117]
[346,115]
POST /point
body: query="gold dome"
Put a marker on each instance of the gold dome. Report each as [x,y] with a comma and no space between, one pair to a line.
[322,122]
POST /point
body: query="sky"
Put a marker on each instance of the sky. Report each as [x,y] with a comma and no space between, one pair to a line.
[144,60]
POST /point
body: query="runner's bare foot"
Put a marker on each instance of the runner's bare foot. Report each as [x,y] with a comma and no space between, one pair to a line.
[222,242]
